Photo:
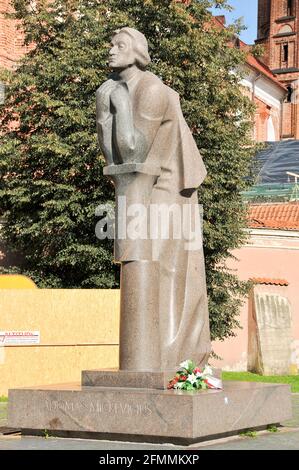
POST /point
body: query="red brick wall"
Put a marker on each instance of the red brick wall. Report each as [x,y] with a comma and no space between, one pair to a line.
[263,18]
[11,39]
[279,11]
[288,120]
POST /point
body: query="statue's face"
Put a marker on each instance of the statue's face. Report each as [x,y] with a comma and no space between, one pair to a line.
[121,54]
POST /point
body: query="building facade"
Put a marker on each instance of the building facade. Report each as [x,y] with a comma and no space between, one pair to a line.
[267,92]
[268,95]
[278,32]
[270,258]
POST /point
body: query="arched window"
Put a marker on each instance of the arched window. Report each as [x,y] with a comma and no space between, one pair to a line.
[285,29]
[271,136]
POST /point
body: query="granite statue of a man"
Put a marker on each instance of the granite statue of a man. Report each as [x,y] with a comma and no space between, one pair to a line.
[153,161]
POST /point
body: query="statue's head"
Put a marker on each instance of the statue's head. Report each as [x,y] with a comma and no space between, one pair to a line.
[129,47]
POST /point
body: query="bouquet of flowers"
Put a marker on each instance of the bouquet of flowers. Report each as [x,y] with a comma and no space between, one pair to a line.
[191,377]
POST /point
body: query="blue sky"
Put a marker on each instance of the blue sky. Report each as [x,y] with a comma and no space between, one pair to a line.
[246,9]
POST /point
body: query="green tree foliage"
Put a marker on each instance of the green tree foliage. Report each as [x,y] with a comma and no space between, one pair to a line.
[51,168]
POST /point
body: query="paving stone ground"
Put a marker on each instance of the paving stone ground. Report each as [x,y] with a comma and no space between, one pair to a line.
[287,438]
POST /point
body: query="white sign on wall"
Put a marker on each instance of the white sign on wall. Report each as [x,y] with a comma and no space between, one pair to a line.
[19,338]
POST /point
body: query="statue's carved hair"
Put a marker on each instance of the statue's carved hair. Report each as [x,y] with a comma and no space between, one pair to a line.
[140,46]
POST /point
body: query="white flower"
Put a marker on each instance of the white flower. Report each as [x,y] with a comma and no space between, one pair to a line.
[185,364]
[192,379]
[207,371]
[179,385]
[199,374]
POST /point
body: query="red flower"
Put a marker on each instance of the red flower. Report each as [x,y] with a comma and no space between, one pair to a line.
[184,378]
[173,382]
[197,370]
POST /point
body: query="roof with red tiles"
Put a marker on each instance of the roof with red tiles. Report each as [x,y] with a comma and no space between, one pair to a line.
[270,282]
[279,216]
[262,68]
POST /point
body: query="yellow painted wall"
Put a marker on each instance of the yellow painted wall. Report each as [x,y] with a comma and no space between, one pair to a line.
[12,281]
[79,329]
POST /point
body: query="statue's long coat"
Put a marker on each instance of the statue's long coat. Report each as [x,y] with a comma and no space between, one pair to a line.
[164,141]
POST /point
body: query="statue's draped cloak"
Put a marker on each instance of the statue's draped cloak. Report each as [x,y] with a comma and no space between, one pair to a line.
[169,145]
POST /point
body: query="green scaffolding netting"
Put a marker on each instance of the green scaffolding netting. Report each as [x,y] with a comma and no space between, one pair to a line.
[270,171]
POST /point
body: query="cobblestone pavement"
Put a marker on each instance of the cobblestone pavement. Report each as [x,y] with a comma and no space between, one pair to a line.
[278,441]
[287,438]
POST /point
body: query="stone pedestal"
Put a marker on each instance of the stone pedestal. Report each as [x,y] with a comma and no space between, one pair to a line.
[127,379]
[139,347]
[157,380]
[140,275]
[146,414]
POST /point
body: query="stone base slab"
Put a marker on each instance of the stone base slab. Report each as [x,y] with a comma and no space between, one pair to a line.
[148,415]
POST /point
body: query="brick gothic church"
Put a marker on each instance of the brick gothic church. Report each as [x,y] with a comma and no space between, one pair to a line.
[273,82]
[278,32]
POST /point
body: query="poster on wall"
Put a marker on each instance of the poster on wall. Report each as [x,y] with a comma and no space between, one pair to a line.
[19,338]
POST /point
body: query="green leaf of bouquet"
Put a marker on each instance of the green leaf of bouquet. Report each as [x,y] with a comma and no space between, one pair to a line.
[189,386]
[192,366]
